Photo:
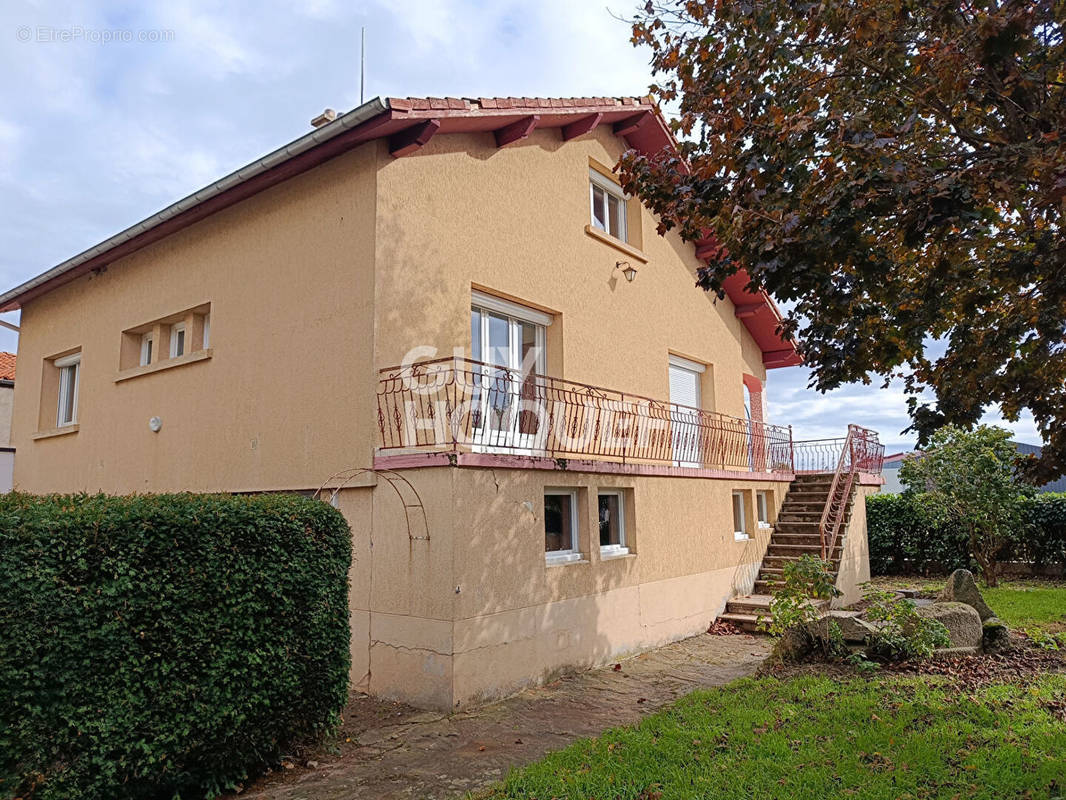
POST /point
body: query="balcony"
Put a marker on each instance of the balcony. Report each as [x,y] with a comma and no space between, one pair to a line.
[456,407]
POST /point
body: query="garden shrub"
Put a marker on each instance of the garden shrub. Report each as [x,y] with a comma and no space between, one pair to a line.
[901,632]
[806,578]
[161,646]
[907,536]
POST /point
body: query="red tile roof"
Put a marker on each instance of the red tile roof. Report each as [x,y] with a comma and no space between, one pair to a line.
[7,366]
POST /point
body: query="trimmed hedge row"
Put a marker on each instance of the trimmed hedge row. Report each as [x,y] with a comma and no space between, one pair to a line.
[165,645]
[902,540]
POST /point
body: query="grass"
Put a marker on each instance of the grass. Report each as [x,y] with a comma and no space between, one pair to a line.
[814,737]
[1026,604]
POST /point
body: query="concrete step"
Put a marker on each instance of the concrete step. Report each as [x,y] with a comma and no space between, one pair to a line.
[800,549]
[778,562]
[764,586]
[769,574]
[787,537]
[746,622]
[750,604]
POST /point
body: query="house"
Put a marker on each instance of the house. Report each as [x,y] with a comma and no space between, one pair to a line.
[446,314]
[7,396]
[893,462]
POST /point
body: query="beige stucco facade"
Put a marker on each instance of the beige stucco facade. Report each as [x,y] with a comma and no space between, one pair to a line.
[313,286]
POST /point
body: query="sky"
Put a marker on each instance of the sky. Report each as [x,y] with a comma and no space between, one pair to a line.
[110,111]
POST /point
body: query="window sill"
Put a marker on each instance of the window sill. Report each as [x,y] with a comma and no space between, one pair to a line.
[765,526]
[617,244]
[168,363]
[741,537]
[609,554]
[64,431]
[564,560]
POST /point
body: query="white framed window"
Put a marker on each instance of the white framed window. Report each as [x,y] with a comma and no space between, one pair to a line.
[69,377]
[612,517]
[147,349]
[608,205]
[762,508]
[740,519]
[686,423]
[177,340]
[207,331]
[560,526]
[510,340]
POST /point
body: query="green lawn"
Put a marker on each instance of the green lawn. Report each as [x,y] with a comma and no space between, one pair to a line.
[818,738]
[1024,604]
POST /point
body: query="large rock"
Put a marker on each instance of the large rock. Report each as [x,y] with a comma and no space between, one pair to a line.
[961,619]
[852,627]
[962,588]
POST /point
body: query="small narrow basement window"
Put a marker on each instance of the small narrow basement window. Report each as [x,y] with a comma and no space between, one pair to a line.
[560,526]
[762,507]
[612,524]
[740,520]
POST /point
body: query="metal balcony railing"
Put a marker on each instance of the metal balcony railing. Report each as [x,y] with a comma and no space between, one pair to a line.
[459,405]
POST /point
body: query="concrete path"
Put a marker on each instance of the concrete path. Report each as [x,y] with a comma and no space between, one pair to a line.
[398,752]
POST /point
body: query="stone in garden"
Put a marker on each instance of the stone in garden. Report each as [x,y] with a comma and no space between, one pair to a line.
[852,627]
[795,645]
[961,619]
[996,636]
[962,588]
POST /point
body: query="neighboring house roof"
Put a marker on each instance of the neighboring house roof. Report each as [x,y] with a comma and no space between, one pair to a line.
[1021,447]
[408,124]
[891,459]
[7,366]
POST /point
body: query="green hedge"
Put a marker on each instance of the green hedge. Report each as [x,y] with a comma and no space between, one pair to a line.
[901,539]
[160,646]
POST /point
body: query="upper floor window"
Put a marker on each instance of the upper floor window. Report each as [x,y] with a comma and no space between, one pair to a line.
[608,204]
[507,334]
[182,337]
[147,349]
[177,340]
[69,374]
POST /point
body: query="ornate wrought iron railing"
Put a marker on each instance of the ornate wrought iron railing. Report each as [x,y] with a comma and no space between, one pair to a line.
[460,405]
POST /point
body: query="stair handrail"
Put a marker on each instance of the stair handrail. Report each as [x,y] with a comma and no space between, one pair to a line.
[836,502]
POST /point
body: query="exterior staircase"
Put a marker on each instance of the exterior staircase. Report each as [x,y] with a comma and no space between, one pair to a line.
[795,533]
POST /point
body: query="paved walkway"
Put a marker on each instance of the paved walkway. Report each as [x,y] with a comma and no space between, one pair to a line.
[398,752]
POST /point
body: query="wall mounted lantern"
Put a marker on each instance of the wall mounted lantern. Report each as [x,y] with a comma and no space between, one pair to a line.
[628,270]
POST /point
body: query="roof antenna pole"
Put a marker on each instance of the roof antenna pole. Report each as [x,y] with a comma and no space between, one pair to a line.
[362,64]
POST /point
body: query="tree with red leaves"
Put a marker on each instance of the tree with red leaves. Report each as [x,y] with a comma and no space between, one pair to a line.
[897,170]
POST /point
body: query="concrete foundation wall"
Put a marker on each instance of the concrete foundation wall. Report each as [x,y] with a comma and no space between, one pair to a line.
[475,613]
[855,563]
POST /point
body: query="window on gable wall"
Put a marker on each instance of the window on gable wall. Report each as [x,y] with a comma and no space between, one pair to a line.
[147,349]
[69,378]
[608,203]
[177,340]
